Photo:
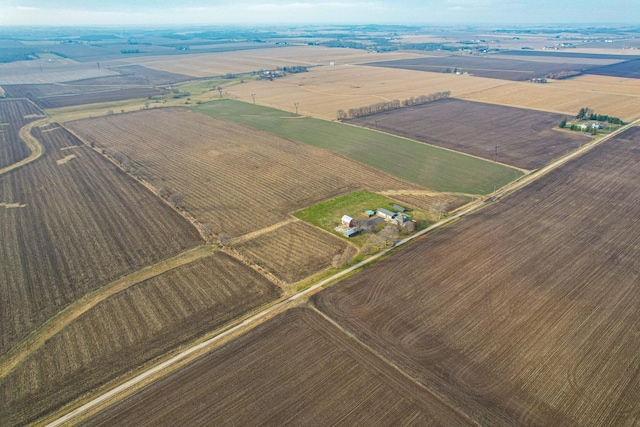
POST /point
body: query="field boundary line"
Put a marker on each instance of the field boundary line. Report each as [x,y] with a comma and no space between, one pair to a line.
[37,149]
[253,320]
[348,334]
[55,324]
[260,232]
[462,153]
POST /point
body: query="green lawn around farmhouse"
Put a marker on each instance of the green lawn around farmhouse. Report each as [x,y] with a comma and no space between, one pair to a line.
[422,164]
[327,215]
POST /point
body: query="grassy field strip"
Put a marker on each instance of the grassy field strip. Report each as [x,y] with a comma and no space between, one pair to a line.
[38,337]
[265,313]
[438,147]
[262,231]
[425,193]
[34,145]
[415,162]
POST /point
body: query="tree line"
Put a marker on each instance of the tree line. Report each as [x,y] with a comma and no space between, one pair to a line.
[587,113]
[391,105]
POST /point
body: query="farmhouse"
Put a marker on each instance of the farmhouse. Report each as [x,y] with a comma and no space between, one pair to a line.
[347,221]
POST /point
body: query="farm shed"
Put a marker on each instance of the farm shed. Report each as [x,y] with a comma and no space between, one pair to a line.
[400,219]
[347,221]
[399,208]
[386,213]
[350,232]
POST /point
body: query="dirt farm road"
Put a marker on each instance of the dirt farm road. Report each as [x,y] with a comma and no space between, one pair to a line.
[121,390]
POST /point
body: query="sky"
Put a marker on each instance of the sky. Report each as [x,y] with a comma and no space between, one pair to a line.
[276,12]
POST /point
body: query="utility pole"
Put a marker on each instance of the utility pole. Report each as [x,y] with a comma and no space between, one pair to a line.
[253,95]
[495,157]
[377,125]
[296,105]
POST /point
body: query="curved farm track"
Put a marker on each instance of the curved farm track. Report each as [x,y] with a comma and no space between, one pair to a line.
[55,324]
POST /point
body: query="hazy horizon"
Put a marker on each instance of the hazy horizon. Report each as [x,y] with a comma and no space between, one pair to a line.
[301,12]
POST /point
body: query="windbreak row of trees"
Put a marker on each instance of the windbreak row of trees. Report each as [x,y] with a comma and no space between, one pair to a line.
[391,105]
[587,113]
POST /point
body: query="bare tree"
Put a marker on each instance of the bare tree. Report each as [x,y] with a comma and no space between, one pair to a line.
[206,229]
[341,115]
[176,199]
[438,208]
[373,244]
[343,258]
[220,90]
[389,233]
[224,239]
[163,191]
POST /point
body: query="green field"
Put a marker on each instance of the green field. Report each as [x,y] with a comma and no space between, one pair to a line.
[428,166]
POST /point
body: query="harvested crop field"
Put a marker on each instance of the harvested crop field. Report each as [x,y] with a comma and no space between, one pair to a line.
[293,251]
[129,329]
[236,178]
[428,166]
[485,66]
[527,54]
[69,228]
[628,69]
[526,312]
[603,84]
[560,97]
[322,91]
[14,115]
[97,96]
[297,369]
[526,139]
[41,71]
[136,83]
[247,61]
[150,75]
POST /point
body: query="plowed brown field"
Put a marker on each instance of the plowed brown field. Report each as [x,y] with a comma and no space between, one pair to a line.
[234,177]
[293,370]
[527,312]
[14,115]
[71,223]
[293,251]
[132,327]
[524,138]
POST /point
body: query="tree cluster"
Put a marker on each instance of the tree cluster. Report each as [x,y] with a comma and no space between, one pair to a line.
[587,113]
[391,105]
[343,258]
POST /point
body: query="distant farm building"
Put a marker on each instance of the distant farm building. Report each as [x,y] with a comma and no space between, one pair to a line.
[350,232]
[399,208]
[385,213]
[347,221]
[369,213]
